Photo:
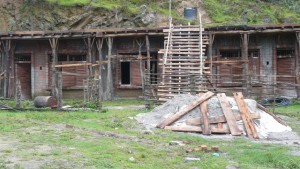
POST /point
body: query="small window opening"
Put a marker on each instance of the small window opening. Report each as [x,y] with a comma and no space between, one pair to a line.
[23,58]
[125,72]
[253,54]
[230,53]
[285,53]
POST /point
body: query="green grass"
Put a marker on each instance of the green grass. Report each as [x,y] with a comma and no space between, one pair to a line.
[292,111]
[70,2]
[108,140]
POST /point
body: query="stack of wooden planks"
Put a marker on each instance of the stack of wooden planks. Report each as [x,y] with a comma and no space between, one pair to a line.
[215,124]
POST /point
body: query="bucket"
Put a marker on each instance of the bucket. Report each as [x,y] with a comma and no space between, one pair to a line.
[190,13]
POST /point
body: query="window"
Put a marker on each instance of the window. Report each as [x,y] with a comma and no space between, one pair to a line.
[62,58]
[22,57]
[66,57]
[285,53]
[253,53]
[230,53]
[125,73]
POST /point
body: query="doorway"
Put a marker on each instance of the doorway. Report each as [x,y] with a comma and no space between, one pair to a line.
[23,74]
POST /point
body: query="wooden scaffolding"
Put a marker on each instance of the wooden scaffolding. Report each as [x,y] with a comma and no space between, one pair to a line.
[182,64]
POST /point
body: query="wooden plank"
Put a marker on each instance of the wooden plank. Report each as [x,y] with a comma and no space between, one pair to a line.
[231,121]
[196,129]
[74,74]
[74,65]
[184,49]
[206,126]
[185,110]
[248,123]
[218,119]
[175,29]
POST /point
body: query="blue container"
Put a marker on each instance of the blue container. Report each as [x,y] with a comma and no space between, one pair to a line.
[190,13]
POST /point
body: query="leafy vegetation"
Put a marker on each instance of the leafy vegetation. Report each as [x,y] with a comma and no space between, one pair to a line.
[253,12]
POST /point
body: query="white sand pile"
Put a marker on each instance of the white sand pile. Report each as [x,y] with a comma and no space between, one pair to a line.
[265,125]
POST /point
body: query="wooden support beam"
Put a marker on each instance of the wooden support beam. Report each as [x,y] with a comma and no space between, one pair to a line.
[54,83]
[228,62]
[99,45]
[6,67]
[196,129]
[218,119]
[109,86]
[18,94]
[245,41]
[206,125]
[210,52]
[89,44]
[74,74]
[297,70]
[59,91]
[148,67]
[140,44]
[73,65]
[231,121]
[185,110]
[248,123]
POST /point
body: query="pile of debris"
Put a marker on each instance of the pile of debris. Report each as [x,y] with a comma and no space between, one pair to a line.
[219,114]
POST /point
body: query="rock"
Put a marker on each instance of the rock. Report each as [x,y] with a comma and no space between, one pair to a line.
[232,167]
[143,9]
[180,143]
[147,132]
[195,168]
[215,154]
[132,159]
[189,159]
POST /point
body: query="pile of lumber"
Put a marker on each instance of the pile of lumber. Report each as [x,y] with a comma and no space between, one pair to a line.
[215,124]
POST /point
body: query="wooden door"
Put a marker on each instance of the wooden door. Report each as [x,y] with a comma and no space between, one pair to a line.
[23,73]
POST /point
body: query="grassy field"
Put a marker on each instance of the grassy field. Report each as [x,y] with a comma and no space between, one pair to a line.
[111,139]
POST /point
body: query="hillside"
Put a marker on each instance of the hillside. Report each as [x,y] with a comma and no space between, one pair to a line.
[85,14]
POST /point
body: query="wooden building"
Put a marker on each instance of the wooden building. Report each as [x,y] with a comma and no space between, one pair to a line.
[122,59]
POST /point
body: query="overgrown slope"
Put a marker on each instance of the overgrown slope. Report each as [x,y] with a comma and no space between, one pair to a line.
[231,12]
[85,14]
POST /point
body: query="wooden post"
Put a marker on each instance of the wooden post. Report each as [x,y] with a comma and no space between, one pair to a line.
[12,82]
[59,90]
[54,47]
[148,70]
[6,66]
[100,90]
[140,44]
[18,94]
[89,44]
[245,39]
[210,54]
[297,71]
[109,86]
